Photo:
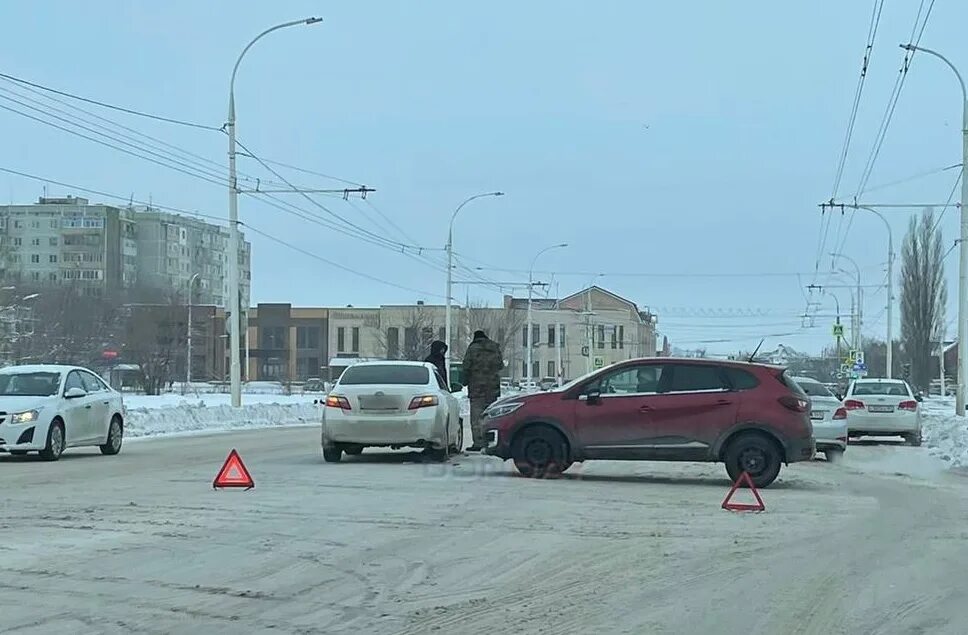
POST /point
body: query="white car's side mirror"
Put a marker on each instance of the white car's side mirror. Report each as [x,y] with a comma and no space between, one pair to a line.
[74,393]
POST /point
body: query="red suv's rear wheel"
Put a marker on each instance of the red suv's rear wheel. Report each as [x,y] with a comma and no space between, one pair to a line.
[755,454]
[539,451]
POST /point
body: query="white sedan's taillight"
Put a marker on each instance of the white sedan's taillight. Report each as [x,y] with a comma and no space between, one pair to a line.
[910,406]
[338,401]
[840,413]
[424,401]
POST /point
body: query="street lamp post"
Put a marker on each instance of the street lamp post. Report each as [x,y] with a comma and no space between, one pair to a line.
[860,300]
[188,336]
[530,327]
[450,274]
[963,251]
[890,289]
[235,374]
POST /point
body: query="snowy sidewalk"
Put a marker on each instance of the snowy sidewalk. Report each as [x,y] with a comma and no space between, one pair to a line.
[944,433]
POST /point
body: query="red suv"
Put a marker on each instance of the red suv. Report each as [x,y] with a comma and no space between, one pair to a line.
[752,417]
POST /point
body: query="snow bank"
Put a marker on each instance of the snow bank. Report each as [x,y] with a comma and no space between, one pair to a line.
[944,433]
[149,416]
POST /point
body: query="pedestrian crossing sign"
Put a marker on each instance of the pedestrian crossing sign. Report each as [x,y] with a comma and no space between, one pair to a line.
[838,330]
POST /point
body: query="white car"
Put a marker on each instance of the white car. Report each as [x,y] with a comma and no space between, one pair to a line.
[392,404]
[49,408]
[829,419]
[883,407]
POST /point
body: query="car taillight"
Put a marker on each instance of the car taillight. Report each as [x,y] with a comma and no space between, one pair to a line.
[333,401]
[840,413]
[795,404]
[853,404]
[908,405]
[424,401]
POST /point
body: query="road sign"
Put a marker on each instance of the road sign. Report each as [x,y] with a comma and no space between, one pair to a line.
[838,330]
[233,473]
[845,368]
[584,351]
[599,362]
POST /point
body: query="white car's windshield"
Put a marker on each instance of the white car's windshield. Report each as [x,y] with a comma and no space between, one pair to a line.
[814,388]
[385,374]
[39,384]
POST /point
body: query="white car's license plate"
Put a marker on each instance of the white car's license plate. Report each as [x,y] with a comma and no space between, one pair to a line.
[818,414]
[880,408]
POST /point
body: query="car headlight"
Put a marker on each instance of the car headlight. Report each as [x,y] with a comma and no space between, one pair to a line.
[24,417]
[502,410]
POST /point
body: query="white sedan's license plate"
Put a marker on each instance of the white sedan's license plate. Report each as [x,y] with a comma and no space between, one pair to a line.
[818,414]
[880,408]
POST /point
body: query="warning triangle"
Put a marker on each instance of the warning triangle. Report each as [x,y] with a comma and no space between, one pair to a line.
[744,480]
[233,473]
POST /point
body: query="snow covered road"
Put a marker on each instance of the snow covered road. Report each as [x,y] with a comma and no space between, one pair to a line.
[382,543]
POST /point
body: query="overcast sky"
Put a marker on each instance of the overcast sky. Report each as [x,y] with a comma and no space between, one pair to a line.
[670,144]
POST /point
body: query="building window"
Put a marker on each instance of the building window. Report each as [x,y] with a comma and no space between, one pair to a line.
[393,342]
[307,337]
[54,224]
[561,337]
[536,370]
[17,224]
[551,369]
[53,242]
[35,224]
[17,242]
[524,368]
[307,367]
[273,337]
[621,336]
[614,331]
[52,277]
[601,336]
[551,335]
[52,258]
[35,258]
[409,341]
[35,275]
[524,338]
[356,339]
[35,242]
[340,340]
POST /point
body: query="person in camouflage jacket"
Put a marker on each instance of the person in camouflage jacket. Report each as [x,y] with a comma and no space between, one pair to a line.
[483,363]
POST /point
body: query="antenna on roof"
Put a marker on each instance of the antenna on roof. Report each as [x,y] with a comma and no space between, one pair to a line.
[755,351]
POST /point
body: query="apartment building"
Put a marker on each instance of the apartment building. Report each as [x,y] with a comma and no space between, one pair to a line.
[105,249]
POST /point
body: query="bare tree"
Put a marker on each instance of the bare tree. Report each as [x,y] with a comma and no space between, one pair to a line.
[923,295]
[414,335]
[503,325]
[154,340]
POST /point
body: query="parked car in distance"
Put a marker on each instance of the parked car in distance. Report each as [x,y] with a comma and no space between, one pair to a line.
[505,383]
[392,404]
[883,408]
[828,417]
[752,417]
[547,383]
[314,385]
[49,408]
[527,386]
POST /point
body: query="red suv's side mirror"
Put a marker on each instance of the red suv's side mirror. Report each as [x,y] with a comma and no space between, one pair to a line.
[593,396]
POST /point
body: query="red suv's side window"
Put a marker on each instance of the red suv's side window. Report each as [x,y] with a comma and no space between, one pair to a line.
[696,377]
[631,380]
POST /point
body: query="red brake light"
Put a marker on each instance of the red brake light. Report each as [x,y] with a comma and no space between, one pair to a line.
[334,401]
[424,401]
[853,404]
[795,404]
[908,405]
[840,413]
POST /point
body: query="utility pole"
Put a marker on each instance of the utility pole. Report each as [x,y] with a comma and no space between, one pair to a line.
[528,376]
[450,275]
[890,276]
[188,336]
[235,320]
[963,251]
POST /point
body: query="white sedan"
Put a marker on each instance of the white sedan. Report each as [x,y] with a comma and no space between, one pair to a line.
[48,408]
[883,407]
[392,404]
[829,419]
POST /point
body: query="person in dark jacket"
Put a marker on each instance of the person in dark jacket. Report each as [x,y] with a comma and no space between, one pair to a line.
[437,358]
[483,363]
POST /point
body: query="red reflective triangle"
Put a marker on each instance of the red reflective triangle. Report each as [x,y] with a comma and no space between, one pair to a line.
[233,473]
[744,479]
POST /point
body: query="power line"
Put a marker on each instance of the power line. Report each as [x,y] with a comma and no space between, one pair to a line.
[102,104]
[298,169]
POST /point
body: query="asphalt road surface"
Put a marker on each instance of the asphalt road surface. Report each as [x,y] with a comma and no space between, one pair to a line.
[140,543]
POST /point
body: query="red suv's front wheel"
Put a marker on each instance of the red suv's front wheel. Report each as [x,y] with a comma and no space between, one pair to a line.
[539,451]
[755,454]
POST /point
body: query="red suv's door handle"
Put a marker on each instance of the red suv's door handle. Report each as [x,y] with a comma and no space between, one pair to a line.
[645,409]
[723,402]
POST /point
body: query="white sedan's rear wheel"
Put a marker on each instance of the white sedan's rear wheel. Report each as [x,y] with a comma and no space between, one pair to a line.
[458,446]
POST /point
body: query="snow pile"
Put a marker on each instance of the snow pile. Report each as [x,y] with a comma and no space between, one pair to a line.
[944,433]
[175,414]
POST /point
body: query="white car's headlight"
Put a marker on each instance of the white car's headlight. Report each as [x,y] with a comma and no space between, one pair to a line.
[24,417]
[502,410]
